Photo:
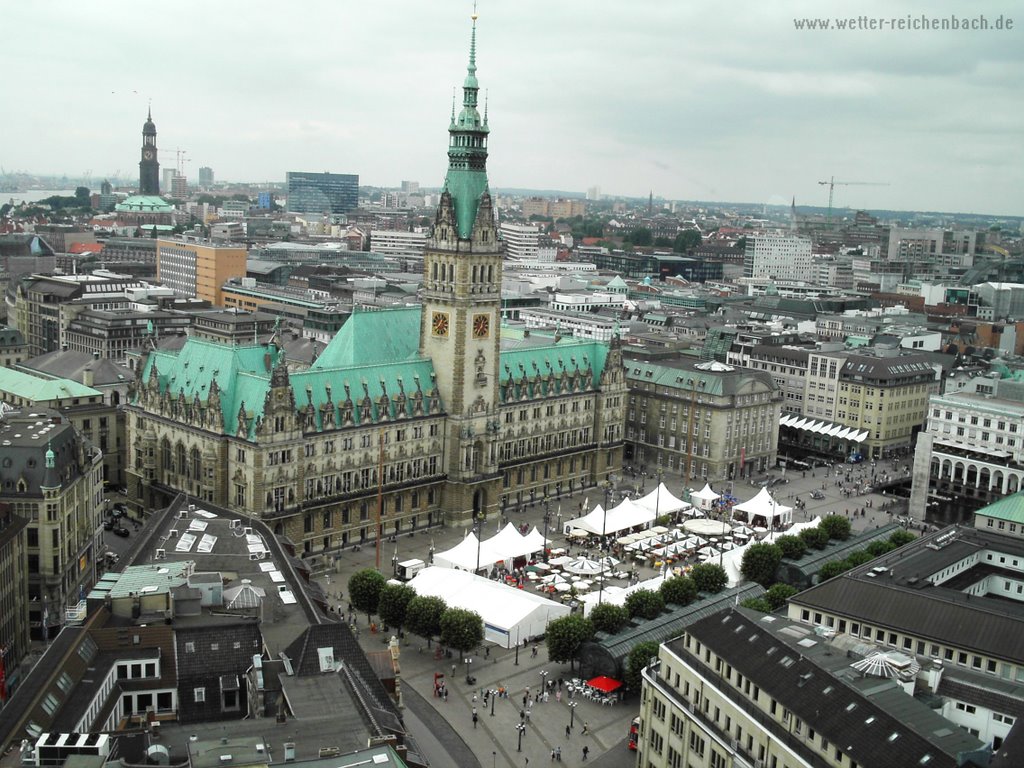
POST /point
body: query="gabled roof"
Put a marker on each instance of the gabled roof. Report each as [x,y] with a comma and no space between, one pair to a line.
[42,390]
[386,335]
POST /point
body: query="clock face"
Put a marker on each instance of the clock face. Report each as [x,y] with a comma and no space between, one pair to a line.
[481,326]
[439,324]
[148,154]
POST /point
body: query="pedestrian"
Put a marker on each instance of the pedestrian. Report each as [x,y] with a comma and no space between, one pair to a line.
[487,652]
[475,718]
[586,751]
[558,754]
[526,698]
[522,715]
[568,732]
[586,727]
[552,755]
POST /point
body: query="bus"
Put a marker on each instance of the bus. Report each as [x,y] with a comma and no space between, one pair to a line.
[634,733]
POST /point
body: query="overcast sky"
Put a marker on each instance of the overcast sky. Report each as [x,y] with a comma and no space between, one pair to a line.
[693,100]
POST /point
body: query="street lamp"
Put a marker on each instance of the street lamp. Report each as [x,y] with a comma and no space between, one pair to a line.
[572,712]
[494,695]
[520,727]
[479,520]
[547,522]
[543,680]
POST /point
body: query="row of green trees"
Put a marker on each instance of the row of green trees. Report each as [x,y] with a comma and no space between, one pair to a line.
[399,606]
[766,554]
[761,561]
[565,636]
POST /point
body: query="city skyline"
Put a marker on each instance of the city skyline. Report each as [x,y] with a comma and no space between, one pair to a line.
[646,97]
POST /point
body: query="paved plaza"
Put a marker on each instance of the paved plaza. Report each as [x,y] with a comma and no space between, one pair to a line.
[445,728]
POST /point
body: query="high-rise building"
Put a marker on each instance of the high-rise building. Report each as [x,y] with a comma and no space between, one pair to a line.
[329,193]
[198,269]
[417,412]
[179,187]
[778,257]
[205,176]
[149,165]
[168,179]
[522,241]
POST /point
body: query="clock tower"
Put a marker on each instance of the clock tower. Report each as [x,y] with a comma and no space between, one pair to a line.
[149,165]
[460,325]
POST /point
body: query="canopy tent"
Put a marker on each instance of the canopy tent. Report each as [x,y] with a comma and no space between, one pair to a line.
[604,684]
[505,545]
[510,615]
[764,510]
[731,562]
[625,516]
[705,498]
[662,502]
[463,555]
[794,529]
[595,514]
[617,595]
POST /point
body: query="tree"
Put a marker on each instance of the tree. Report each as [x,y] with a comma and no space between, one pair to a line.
[760,562]
[641,236]
[879,547]
[639,657]
[393,603]
[814,538]
[837,527]
[662,242]
[686,241]
[82,193]
[899,538]
[757,604]
[833,568]
[709,577]
[564,637]
[793,547]
[461,629]
[608,617]
[645,604]
[679,590]
[742,243]
[364,590]
[423,615]
[778,594]
[859,557]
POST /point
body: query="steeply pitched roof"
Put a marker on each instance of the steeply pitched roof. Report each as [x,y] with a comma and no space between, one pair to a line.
[387,335]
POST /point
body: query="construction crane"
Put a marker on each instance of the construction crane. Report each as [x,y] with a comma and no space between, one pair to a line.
[179,155]
[832,184]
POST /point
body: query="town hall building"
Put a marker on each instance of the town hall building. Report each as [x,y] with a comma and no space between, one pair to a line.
[410,417]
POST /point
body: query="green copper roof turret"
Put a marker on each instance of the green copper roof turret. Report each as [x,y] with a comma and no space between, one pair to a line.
[466,180]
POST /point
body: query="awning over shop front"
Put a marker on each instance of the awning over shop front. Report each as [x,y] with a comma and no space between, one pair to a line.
[826,428]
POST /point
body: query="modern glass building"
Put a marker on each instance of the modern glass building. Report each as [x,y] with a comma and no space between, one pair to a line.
[322,192]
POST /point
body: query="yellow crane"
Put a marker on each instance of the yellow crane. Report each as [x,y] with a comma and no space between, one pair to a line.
[832,184]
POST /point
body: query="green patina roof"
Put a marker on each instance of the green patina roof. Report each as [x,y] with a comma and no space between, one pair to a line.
[40,390]
[144,204]
[1010,508]
[466,180]
[535,363]
[374,337]
[375,349]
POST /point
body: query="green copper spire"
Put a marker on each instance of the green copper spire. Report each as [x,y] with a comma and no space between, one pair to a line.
[466,180]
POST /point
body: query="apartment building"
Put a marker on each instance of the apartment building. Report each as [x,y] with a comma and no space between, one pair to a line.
[778,257]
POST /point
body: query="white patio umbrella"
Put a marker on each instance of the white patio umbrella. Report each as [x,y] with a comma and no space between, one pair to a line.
[608,561]
[709,552]
[584,567]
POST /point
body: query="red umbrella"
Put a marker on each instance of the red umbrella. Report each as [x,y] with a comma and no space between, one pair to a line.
[604,684]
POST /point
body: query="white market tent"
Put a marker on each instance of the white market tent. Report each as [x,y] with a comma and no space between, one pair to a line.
[510,615]
[595,514]
[462,555]
[662,502]
[617,595]
[794,529]
[505,545]
[765,510]
[705,497]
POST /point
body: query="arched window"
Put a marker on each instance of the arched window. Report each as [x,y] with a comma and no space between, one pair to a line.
[197,464]
[180,463]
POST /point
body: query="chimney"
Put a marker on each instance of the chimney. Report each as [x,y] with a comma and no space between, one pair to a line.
[87,376]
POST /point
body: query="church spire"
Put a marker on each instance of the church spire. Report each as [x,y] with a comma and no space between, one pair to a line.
[466,180]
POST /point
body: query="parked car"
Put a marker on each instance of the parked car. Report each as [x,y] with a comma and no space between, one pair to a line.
[817,495]
[122,532]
